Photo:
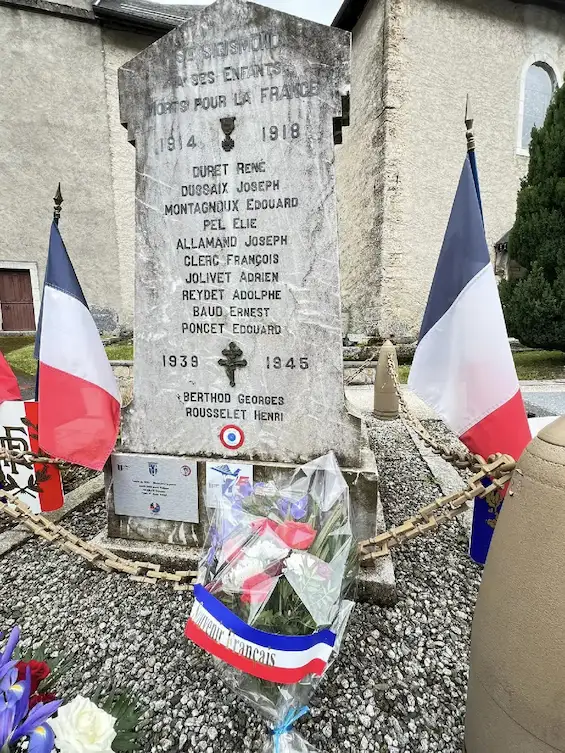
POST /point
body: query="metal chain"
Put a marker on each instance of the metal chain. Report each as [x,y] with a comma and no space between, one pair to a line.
[442,510]
[27,458]
[97,556]
[359,370]
[499,470]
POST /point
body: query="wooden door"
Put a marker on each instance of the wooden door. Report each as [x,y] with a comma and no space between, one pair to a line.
[16,300]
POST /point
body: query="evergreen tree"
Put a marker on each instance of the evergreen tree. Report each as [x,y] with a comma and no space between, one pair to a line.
[534,306]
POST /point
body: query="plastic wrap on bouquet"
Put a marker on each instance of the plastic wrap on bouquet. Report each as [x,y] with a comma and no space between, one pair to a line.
[271,601]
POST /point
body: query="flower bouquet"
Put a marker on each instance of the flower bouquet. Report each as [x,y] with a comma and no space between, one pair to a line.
[108,722]
[23,711]
[270,602]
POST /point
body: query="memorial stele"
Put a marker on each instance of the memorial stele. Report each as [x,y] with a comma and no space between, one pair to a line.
[238,337]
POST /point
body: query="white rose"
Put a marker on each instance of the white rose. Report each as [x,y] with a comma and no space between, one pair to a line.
[256,559]
[81,727]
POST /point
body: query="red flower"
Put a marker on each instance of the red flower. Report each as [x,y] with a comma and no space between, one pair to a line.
[41,698]
[39,671]
[264,524]
[257,589]
[296,535]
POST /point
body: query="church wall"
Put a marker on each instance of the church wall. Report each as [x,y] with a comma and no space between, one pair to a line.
[450,48]
[60,122]
[53,128]
[360,171]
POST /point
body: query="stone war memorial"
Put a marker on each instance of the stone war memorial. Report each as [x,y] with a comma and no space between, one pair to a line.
[238,337]
[181,568]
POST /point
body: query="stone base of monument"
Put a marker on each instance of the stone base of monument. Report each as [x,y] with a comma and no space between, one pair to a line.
[375,585]
[177,544]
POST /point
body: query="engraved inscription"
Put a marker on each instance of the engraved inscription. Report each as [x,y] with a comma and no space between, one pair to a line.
[238,265]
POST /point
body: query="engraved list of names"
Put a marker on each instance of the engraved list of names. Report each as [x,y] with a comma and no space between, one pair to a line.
[237,305]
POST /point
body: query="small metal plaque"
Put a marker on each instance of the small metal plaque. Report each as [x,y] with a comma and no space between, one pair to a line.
[162,487]
[226,482]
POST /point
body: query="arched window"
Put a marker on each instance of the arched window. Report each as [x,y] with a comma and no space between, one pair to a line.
[538,84]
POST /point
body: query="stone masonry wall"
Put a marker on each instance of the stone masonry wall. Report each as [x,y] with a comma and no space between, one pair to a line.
[53,129]
[437,51]
[360,176]
[448,49]
[60,122]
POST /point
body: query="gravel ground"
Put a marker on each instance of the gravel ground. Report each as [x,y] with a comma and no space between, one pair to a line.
[398,685]
[75,475]
[6,523]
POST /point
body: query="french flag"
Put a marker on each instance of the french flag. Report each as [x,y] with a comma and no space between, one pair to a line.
[79,403]
[463,365]
[9,388]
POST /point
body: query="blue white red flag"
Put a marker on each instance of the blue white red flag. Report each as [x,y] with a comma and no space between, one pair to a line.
[284,659]
[79,403]
[463,366]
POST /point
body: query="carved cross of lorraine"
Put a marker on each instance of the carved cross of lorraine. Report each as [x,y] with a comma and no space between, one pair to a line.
[233,360]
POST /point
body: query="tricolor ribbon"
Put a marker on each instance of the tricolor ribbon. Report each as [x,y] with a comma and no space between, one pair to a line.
[284,659]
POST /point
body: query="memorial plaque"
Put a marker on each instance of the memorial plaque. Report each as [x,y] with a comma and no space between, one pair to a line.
[227,483]
[238,350]
[155,486]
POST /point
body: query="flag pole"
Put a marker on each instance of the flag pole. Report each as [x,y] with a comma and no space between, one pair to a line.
[57,205]
[470,135]
[484,515]
[469,121]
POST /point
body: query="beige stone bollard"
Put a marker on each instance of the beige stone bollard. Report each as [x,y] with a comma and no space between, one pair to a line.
[386,399]
[516,696]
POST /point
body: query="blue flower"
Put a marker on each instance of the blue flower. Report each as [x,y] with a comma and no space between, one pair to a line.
[298,509]
[17,720]
[214,538]
[8,675]
[6,656]
[42,739]
[245,488]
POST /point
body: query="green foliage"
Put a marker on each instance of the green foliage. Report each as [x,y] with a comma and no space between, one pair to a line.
[127,712]
[532,311]
[20,359]
[540,364]
[121,351]
[533,307]
[19,353]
